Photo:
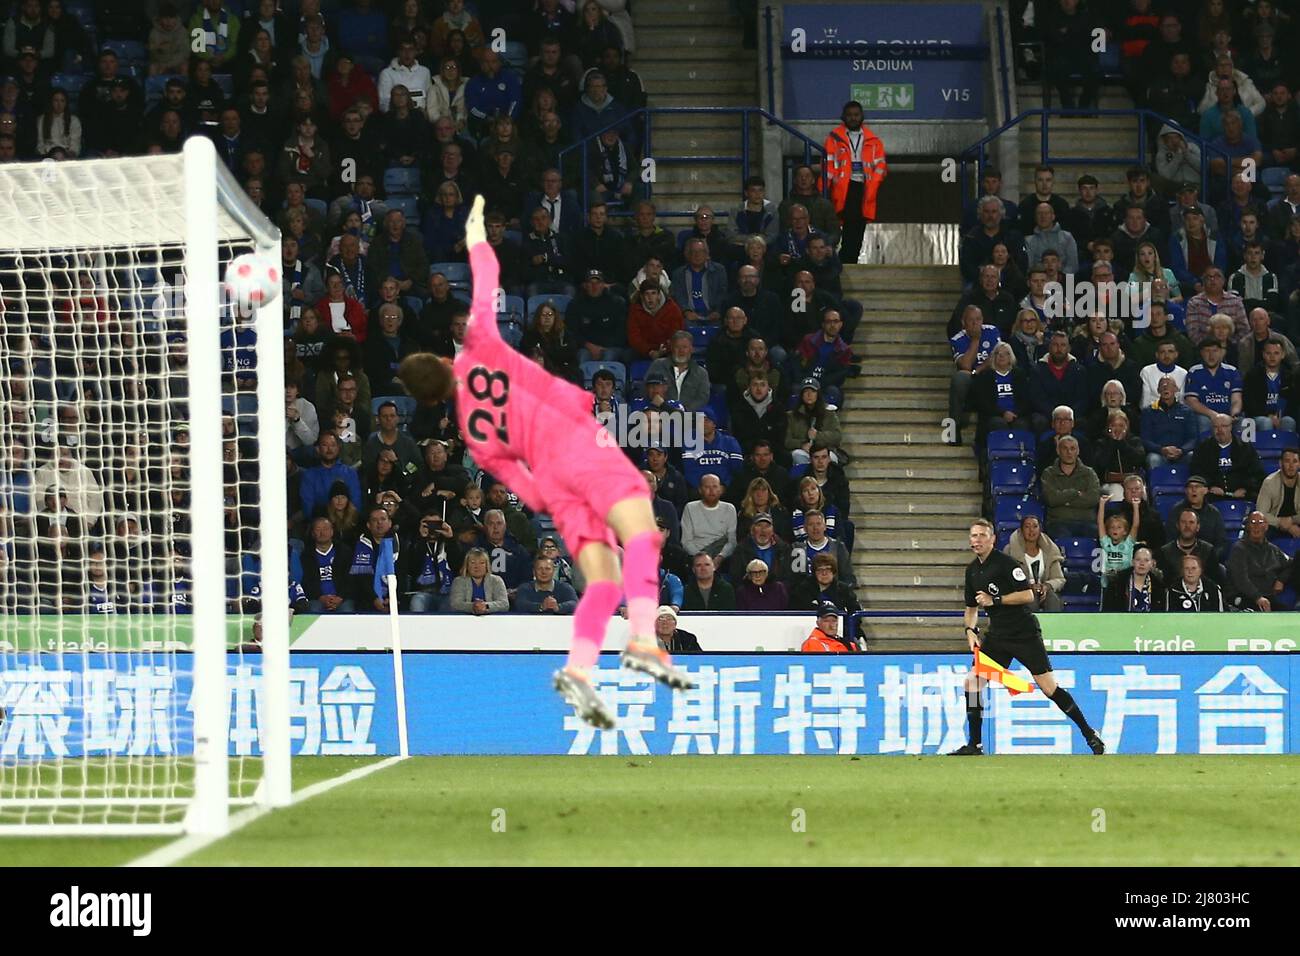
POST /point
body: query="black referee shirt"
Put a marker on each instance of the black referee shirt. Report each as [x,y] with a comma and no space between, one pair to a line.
[1000,575]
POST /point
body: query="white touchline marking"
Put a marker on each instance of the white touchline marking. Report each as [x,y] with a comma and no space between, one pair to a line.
[178,850]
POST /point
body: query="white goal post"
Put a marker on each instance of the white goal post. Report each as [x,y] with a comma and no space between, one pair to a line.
[148,418]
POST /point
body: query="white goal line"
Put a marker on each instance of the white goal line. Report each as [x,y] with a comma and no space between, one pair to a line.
[187,846]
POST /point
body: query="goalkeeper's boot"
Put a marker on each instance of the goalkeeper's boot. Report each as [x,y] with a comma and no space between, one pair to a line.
[967,750]
[576,689]
[654,660]
[1096,743]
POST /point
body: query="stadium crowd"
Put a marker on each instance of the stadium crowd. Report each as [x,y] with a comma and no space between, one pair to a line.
[1138,442]
[716,354]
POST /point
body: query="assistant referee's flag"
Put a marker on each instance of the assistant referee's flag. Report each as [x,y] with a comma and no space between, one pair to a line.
[990,669]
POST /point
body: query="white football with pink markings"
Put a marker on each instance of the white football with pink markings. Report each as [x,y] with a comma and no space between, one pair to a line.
[252,281]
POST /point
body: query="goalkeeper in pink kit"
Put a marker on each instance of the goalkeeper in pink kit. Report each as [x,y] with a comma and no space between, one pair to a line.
[536,433]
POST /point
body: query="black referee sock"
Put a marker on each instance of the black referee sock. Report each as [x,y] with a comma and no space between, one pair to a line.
[1062,699]
[975,718]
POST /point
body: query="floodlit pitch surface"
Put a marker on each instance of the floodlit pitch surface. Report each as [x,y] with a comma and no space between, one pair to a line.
[1112,811]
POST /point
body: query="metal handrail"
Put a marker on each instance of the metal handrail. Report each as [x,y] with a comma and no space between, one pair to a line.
[771,66]
[1002,62]
[978,151]
[646,113]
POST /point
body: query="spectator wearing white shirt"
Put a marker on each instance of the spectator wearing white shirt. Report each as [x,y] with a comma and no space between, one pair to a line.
[58,128]
[84,495]
[447,95]
[405,71]
[302,425]
[1166,364]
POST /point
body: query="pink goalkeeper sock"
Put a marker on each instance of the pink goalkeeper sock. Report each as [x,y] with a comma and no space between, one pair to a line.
[590,618]
[641,582]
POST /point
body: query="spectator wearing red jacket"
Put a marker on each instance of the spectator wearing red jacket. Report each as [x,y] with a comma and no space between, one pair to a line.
[347,85]
[651,321]
[339,313]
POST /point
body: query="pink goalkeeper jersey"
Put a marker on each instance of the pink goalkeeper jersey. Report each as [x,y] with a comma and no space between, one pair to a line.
[511,410]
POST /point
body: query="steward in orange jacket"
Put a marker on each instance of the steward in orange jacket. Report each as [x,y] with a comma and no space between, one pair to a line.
[854,167]
[825,637]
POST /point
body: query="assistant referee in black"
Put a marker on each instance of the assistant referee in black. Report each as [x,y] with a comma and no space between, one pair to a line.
[997,583]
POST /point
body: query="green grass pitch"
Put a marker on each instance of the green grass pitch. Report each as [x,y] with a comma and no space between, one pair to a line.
[1167,810]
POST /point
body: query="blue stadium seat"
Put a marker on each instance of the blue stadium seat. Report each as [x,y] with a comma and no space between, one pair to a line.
[1177,315]
[515,236]
[1081,602]
[1165,505]
[406,406]
[409,206]
[1274,177]
[1078,553]
[227,83]
[414,303]
[70,83]
[544,525]
[511,328]
[1010,510]
[561,303]
[457,273]
[1271,444]
[1234,511]
[1010,477]
[402,181]
[1168,478]
[462,295]
[516,309]
[1010,445]
[1288,544]
[703,334]
[515,56]
[84,11]
[638,369]
[617,368]
[717,406]
[154,87]
[367,33]
[320,205]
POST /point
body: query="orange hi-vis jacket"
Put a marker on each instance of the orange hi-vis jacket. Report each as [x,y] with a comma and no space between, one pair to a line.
[819,642]
[838,169]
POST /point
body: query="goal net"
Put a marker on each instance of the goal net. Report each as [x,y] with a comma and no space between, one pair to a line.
[143,575]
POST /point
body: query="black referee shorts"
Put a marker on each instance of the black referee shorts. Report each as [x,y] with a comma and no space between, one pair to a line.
[1024,646]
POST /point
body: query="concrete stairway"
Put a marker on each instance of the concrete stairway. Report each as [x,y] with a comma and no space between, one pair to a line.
[689,53]
[1110,137]
[911,492]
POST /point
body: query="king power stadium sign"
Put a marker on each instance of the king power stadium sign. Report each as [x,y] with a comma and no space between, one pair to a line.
[923,61]
[1141,633]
